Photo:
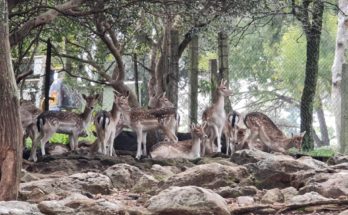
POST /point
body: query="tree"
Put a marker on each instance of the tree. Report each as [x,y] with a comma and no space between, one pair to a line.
[312,25]
[10,125]
[339,60]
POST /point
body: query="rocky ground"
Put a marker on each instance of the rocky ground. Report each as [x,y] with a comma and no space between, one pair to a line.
[251,182]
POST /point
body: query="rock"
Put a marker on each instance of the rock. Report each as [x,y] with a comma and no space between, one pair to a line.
[272,196]
[57,149]
[344,212]
[90,182]
[187,200]
[211,175]
[79,203]
[18,208]
[245,200]
[276,171]
[28,176]
[338,159]
[234,192]
[162,173]
[330,185]
[307,198]
[288,193]
[124,176]
[249,156]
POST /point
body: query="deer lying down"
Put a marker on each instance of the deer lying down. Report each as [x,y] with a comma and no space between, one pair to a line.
[189,149]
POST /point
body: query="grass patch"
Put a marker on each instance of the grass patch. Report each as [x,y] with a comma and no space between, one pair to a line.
[317,152]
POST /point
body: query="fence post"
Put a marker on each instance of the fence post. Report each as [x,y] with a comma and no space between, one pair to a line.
[47,76]
[343,142]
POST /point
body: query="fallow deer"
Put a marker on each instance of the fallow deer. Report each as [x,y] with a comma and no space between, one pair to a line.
[215,116]
[141,121]
[262,127]
[106,123]
[65,122]
[189,149]
[161,101]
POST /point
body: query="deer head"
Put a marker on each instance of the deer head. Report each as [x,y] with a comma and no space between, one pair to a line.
[91,100]
[296,141]
[122,101]
[223,90]
[198,130]
[160,101]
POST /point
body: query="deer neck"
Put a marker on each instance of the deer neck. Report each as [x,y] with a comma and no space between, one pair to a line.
[220,103]
[115,112]
[86,116]
[196,146]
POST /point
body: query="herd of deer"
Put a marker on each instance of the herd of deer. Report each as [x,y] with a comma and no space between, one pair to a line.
[253,130]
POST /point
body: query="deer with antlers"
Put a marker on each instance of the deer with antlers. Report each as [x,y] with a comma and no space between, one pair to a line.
[189,149]
[65,122]
[215,116]
[106,123]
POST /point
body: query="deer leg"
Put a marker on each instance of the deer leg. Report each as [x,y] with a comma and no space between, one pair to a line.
[215,135]
[46,136]
[227,142]
[144,143]
[111,142]
[139,133]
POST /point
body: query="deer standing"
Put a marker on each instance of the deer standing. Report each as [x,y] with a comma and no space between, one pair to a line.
[189,149]
[65,122]
[215,116]
[172,121]
[106,123]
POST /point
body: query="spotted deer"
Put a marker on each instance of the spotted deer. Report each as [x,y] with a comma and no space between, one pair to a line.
[106,123]
[189,149]
[65,122]
[215,116]
[263,128]
[142,120]
[161,101]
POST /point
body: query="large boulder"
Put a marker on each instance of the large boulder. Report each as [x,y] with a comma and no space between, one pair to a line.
[18,208]
[188,200]
[90,182]
[249,156]
[275,171]
[212,175]
[331,185]
[124,176]
[80,204]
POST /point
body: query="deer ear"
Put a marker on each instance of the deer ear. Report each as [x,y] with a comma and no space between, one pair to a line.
[84,96]
[222,82]
[204,124]
[127,93]
[164,94]
[97,96]
[302,134]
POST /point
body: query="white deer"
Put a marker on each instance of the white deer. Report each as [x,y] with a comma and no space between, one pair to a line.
[189,149]
[65,122]
[215,116]
[106,123]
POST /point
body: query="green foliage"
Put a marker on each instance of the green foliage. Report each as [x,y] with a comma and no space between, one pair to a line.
[317,152]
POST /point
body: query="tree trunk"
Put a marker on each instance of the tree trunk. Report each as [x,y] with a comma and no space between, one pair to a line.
[10,125]
[223,64]
[172,76]
[339,60]
[313,34]
[325,140]
[162,66]
[136,75]
[213,78]
[194,80]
